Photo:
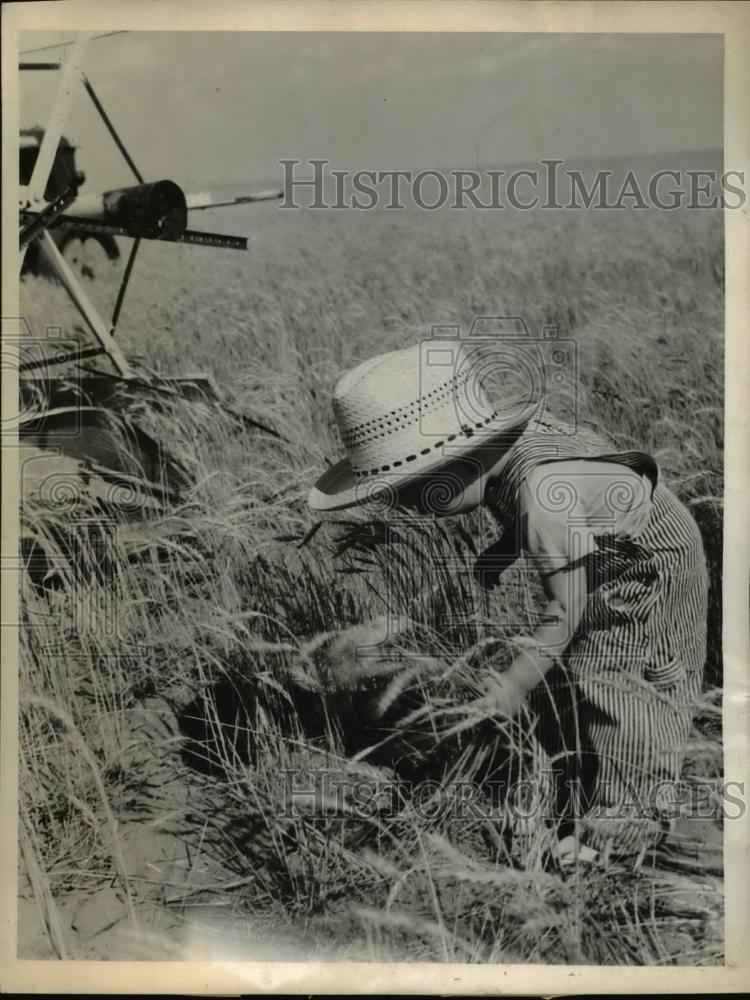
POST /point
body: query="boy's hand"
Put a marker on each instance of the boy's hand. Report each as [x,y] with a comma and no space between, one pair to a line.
[506,693]
[503,696]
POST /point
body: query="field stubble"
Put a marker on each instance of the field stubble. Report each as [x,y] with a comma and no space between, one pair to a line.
[152,793]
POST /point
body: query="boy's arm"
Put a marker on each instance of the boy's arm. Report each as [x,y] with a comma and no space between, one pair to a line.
[560,504]
[566,592]
[555,541]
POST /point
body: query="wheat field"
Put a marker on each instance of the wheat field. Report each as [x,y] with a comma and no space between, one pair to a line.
[155,756]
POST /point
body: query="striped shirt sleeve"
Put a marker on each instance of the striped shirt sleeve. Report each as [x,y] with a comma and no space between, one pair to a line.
[567,504]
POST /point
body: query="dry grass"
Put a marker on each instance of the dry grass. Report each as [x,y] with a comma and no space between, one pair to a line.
[232,610]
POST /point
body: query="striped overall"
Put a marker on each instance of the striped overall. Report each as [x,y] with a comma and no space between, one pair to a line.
[614,714]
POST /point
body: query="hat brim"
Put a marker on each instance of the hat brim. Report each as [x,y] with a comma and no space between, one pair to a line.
[338,489]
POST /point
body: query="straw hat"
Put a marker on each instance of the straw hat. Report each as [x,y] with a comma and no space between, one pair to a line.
[407,413]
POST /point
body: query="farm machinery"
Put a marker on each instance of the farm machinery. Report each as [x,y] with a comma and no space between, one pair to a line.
[77,420]
[84,252]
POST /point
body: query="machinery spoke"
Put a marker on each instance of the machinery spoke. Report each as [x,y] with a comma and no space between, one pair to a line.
[110,128]
[124,284]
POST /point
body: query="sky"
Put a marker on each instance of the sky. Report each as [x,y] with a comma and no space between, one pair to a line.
[223,108]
